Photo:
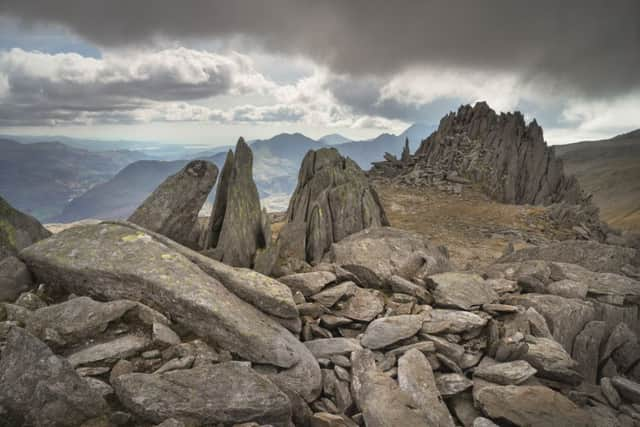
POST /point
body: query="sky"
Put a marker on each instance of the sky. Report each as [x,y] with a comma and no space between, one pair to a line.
[206,72]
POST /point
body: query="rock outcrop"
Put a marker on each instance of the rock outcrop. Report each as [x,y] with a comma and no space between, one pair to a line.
[17,230]
[111,262]
[334,199]
[172,209]
[237,229]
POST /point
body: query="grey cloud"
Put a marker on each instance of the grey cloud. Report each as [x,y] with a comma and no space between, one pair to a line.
[589,47]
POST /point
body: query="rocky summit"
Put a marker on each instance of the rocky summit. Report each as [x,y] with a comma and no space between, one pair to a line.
[343,321]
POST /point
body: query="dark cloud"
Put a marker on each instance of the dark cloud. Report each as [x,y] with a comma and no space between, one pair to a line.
[588,46]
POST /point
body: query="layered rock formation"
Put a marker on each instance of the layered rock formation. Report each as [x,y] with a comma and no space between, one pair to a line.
[17,230]
[237,228]
[334,199]
[172,209]
[507,157]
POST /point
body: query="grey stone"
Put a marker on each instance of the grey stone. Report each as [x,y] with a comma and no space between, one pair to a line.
[377,254]
[119,348]
[18,230]
[172,209]
[114,261]
[630,390]
[534,406]
[484,422]
[566,317]
[99,387]
[415,378]
[334,198]
[225,393]
[388,330]
[586,350]
[364,305]
[235,228]
[77,319]
[551,360]
[42,387]
[14,279]
[568,289]
[326,347]
[175,364]
[452,384]
[379,397]
[610,392]
[457,321]
[508,373]
[308,283]
[164,335]
[463,291]
[332,295]
[402,285]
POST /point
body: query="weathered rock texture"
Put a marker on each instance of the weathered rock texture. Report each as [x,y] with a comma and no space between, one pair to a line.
[172,209]
[509,158]
[112,262]
[236,229]
[334,199]
[17,230]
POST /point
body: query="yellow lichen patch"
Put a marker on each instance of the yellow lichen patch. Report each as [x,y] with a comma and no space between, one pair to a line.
[168,256]
[133,237]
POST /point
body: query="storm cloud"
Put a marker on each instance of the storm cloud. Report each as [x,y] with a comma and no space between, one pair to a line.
[587,47]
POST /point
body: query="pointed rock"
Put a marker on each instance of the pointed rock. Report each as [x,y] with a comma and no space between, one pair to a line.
[172,209]
[18,230]
[236,228]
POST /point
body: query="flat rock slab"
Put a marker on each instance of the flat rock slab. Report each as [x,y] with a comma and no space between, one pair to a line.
[532,406]
[452,384]
[508,373]
[388,330]
[457,321]
[463,291]
[326,347]
[628,389]
[172,209]
[224,393]
[42,387]
[382,402]
[119,348]
[551,360]
[415,377]
[112,262]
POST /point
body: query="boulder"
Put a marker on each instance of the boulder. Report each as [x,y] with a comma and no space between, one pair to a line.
[236,228]
[111,262]
[42,388]
[334,198]
[388,330]
[172,209]
[225,393]
[455,321]
[379,397]
[566,317]
[531,406]
[326,347]
[330,296]
[551,360]
[14,279]
[628,389]
[463,291]
[18,230]
[415,378]
[119,348]
[591,255]
[310,283]
[363,306]
[377,254]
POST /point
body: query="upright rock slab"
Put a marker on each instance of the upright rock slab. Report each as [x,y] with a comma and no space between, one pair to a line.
[18,230]
[172,209]
[236,231]
[112,262]
[334,198]
[43,388]
[509,158]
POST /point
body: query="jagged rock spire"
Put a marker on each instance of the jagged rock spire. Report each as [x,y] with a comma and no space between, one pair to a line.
[172,209]
[237,225]
[509,158]
[406,152]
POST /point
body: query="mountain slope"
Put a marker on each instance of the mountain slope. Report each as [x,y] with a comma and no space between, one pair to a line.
[40,178]
[334,139]
[610,170]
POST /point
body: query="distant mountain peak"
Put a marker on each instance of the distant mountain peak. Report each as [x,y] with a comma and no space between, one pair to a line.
[334,139]
[632,134]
